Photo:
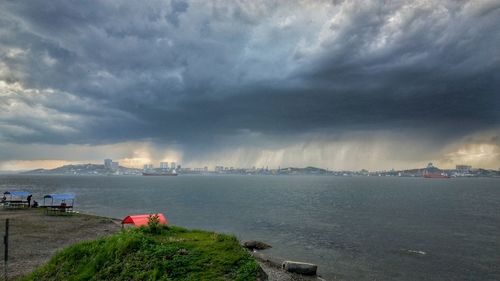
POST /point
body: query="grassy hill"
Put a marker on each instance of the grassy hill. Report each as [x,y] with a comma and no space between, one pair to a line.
[148,253]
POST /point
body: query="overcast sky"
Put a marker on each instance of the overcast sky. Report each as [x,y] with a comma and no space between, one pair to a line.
[336,84]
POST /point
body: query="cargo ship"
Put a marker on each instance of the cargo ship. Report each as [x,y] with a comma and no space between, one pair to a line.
[436,176]
[173,173]
[432,172]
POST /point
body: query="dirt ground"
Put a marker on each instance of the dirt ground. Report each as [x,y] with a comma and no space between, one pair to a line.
[35,236]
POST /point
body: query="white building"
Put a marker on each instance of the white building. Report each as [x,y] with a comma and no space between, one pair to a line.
[108,163]
[463,169]
[163,165]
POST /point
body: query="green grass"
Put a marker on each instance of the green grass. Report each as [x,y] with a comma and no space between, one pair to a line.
[171,253]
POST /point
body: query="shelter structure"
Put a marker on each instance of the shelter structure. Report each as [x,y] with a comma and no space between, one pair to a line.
[139,220]
[58,202]
[15,199]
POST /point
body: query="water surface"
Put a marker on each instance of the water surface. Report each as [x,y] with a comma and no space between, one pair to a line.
[355,228]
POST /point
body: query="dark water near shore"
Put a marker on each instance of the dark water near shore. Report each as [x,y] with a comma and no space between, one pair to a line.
[355,228]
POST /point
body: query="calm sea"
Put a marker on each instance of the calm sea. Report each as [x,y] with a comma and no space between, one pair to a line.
[354,228]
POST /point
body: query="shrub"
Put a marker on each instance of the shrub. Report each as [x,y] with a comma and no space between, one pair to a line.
[154,224]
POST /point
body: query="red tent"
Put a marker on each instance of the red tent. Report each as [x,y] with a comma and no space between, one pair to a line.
[139,220]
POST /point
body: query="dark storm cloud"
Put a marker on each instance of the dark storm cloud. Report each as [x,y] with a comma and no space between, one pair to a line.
[178,7]
[197,72]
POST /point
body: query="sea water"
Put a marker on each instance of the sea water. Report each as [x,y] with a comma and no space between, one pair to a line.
[354,228]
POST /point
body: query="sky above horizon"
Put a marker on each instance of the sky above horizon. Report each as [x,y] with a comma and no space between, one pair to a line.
[334,84]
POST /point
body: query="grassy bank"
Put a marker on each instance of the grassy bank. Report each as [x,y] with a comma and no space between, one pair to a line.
[162,253]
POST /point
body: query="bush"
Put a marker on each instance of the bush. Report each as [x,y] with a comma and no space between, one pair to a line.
[154,223]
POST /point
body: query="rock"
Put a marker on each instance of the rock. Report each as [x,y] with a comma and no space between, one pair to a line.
[271,260]
[300,267]
[256,245]
[262,275]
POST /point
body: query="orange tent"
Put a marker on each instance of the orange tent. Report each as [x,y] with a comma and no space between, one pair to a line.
[139,220]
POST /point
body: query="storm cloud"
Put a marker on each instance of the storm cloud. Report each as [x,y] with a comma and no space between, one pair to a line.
[236,78]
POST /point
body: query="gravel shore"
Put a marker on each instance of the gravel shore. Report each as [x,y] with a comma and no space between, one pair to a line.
[276,274]
[272,266]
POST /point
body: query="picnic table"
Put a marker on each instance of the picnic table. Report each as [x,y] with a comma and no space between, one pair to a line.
[65,203]
[58,208]
[15,203]
[16,199]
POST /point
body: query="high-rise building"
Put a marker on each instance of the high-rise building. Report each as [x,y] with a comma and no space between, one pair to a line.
[163,165]
[172,165]
[464,169]
[108,163]
[148,166]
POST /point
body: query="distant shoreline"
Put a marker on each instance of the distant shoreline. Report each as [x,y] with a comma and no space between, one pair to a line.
[494,175]
[89,169]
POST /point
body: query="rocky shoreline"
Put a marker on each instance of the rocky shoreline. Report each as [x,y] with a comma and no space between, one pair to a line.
[34,237]
[274,269]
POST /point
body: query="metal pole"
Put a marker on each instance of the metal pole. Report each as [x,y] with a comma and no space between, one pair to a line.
[6,244]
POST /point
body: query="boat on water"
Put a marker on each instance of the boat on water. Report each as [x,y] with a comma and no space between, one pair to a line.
[161,174]
[436,176]
[432,172]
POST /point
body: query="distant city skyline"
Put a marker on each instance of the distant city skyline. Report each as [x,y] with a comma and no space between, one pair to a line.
[344,85]
[112,168]
[111,164]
